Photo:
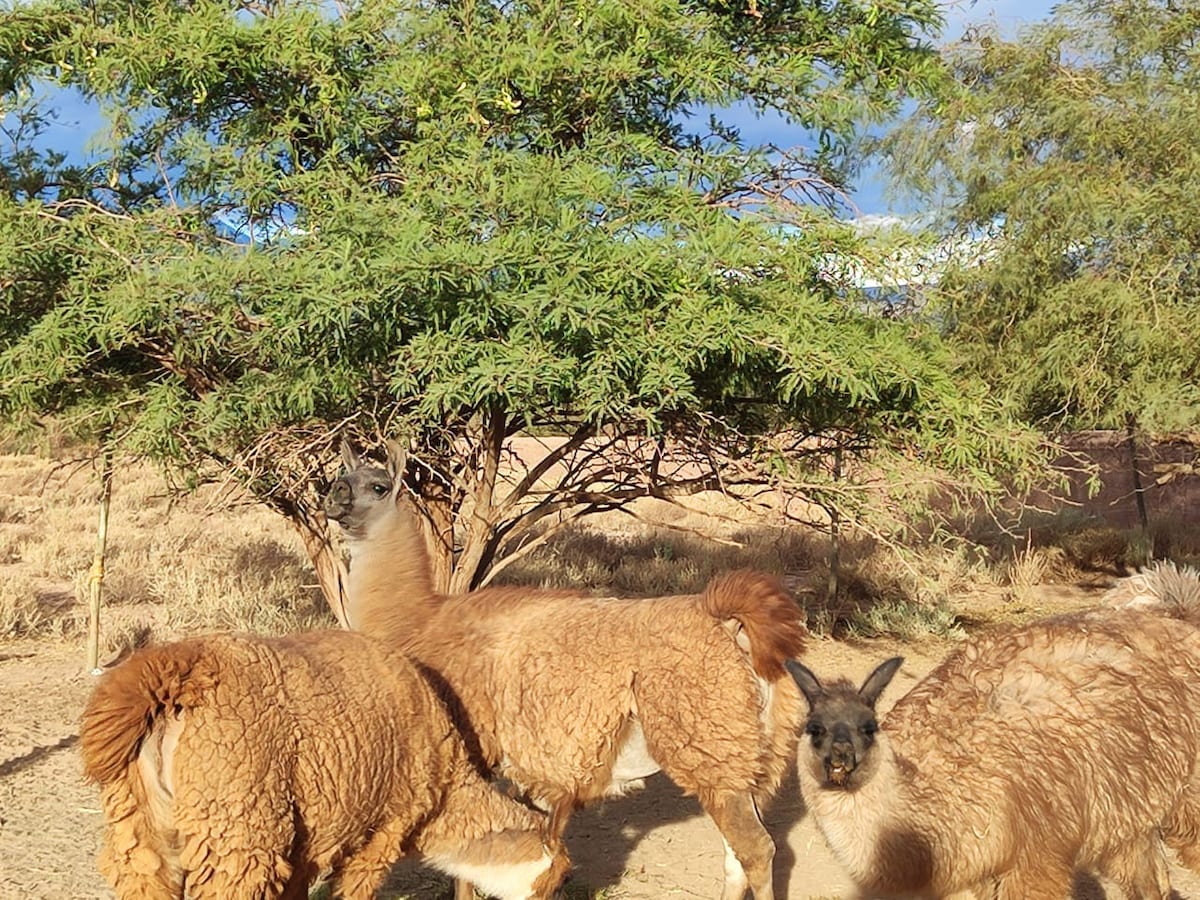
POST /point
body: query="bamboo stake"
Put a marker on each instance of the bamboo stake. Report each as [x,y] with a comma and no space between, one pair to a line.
[96,575]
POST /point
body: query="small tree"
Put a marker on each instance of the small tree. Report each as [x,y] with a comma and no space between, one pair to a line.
[470,220]
[1075,146]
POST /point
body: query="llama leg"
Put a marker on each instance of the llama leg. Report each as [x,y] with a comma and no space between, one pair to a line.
[132,859]
[1140,869]
[361,875]
[749,849]
[132,884]
[463,889]
[1182,828]
[1046,880]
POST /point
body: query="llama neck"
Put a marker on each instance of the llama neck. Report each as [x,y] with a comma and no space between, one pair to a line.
[868,829]
[390,588]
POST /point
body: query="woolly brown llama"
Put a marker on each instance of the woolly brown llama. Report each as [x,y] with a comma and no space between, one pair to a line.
[240,768]
[576,698]
[1030,754]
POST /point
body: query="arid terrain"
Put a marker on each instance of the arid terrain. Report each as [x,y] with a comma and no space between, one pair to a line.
[177,569]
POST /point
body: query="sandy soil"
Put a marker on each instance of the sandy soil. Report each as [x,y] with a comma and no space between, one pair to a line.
[654,844]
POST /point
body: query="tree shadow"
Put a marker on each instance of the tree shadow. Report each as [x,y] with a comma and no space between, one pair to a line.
[602,837]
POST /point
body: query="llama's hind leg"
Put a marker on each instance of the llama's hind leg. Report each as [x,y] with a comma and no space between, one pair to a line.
[1048,879]
[749,849]
[133,857]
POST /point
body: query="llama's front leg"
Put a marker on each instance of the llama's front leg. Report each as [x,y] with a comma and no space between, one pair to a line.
[749,849]
[360,876]
[463,889]
[1140,868]
[1048,880]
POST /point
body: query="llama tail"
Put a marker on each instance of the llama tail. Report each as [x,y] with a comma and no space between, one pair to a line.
[129,699]
[771,619]
[1160,587]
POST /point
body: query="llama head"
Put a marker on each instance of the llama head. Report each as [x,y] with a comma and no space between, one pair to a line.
[842,724]
[363,495]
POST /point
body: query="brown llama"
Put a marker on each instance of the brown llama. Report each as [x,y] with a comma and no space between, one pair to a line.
[1032,753]
[240,768]
[575,698]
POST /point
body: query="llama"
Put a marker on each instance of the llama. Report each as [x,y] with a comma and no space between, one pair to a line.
[1162,586]
[1030,754]
[243,767]
[576,698]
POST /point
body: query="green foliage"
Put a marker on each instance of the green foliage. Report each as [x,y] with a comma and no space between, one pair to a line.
[478,219]
[1076,143]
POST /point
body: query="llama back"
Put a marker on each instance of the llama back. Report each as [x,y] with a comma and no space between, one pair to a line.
[1076,704]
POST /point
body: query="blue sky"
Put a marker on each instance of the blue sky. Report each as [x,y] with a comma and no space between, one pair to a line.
[77,120]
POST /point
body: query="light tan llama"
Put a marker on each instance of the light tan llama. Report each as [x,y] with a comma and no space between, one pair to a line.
[239,768]
[1068,745]
[576,698]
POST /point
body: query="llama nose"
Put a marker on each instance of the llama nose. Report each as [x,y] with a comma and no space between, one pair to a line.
[841,753]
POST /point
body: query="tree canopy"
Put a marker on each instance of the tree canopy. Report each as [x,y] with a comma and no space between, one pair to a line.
[466,220]
[1074,146]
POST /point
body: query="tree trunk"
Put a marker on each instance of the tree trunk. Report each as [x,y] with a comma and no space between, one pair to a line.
[835,536]
[437,524]
[1139,491]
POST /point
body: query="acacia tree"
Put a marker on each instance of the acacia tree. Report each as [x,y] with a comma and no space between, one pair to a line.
[468,220]
[1075,146]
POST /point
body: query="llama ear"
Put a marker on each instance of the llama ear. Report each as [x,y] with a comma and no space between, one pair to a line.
[808,683]
[351,459]
[397,461]
[879,679]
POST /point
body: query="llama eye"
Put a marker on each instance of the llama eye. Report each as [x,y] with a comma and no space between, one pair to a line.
[379,489]
[870,728]
[814,729]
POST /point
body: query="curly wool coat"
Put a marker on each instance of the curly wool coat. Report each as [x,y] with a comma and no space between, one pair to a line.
[246,765]
[1031,753]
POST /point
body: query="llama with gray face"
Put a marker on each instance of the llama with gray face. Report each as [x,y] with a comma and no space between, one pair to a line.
[576,698]
[1033,753]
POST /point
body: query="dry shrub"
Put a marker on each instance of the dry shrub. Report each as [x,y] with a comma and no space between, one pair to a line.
[905,619]
[878,593]
[260,586]
[634,559]
[29,608]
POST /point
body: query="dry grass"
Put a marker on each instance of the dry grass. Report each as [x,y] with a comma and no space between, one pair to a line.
[196,565]
[199,564]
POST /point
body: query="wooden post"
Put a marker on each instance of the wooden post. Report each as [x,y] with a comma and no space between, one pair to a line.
[835,534]
[96,575]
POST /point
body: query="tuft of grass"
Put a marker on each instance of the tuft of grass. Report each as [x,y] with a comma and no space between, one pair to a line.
[905,619]
[1024,571]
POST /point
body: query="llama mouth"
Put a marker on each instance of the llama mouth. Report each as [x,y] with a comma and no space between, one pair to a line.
[838,774]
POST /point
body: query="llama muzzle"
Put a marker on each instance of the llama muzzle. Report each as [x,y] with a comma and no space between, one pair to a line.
[840,763]
[339,501]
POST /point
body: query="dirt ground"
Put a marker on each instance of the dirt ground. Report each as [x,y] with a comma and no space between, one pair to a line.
[653,844]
